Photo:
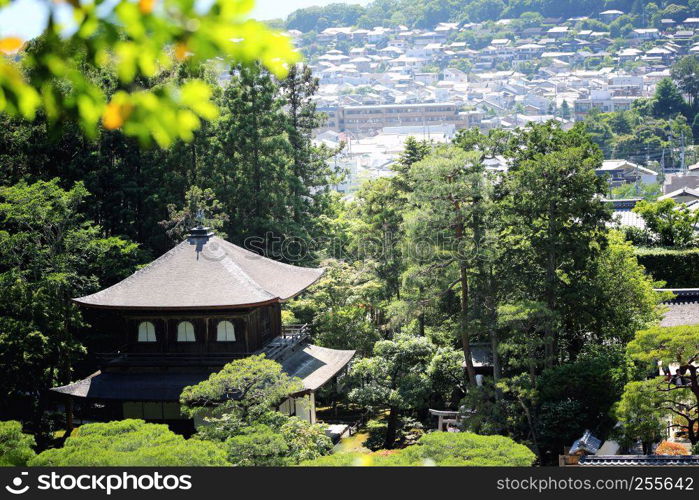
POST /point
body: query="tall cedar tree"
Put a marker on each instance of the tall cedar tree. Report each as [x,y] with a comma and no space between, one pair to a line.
[556,216]
[254,156]
[311,172]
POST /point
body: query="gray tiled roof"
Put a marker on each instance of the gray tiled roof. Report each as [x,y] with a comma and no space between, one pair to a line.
[681,314]
[133,386]
[682,309]
[638,460]
[316,365]
[205,272]
[627,218]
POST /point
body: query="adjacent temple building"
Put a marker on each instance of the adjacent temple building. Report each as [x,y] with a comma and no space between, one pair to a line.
[182,317]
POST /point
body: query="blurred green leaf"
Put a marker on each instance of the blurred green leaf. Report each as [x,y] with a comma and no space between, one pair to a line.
[139,40]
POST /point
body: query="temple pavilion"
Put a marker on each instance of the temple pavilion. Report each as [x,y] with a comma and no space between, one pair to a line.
[182,317]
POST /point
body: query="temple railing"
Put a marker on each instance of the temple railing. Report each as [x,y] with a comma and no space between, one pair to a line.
[293,336]
[299,330]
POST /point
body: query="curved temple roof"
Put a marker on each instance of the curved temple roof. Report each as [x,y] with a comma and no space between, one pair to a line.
[205,271]
[314,365]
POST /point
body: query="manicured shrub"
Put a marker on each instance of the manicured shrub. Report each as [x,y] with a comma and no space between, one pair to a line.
[443,449]
[463,449]
[15,446]
[287,442]
[259,446]
[130,443]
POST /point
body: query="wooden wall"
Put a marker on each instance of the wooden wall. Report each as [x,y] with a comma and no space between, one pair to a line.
[253,328]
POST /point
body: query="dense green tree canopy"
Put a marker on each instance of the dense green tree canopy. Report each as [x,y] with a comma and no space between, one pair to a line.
[640,415]
[49,253]
[289,442]
[146,193]
[668,100]
[670,223]
[418,14]
[557,216]
[685,73]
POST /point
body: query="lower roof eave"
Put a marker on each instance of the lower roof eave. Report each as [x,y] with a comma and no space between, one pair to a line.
[314,365]
[175,308]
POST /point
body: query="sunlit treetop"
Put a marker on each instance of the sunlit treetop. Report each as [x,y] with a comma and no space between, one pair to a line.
[139,39]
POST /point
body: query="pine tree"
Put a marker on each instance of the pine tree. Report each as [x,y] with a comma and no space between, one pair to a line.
[451,224]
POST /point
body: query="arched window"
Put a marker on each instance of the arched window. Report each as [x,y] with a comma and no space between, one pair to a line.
[146,332]
[185,332]
[225,332]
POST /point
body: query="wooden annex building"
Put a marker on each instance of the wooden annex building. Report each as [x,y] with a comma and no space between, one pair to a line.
[182,317]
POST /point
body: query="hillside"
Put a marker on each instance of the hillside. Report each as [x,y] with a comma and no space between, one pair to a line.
[426,14]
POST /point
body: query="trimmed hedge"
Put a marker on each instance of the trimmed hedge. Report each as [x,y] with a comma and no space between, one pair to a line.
[462,449]
[678,268]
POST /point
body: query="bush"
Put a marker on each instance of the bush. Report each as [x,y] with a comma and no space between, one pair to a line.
[679,268]
[259,445]
[282,441]
[376,431]
[462,449]
[639,237]
[668,448]
[671,224]
[408,433]
[306,441]
[15,446]
[560,423]
[130,443]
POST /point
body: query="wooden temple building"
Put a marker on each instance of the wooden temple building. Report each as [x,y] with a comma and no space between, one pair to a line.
[182,317]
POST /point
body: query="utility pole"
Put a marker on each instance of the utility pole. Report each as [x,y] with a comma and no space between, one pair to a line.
[662,161]
[682,154]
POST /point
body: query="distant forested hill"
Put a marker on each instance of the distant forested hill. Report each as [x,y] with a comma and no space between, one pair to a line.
[426,14]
